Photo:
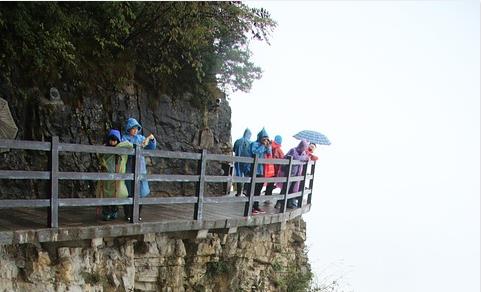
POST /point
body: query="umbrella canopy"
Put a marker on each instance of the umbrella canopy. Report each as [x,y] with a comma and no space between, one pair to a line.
[313,137]
[8,128]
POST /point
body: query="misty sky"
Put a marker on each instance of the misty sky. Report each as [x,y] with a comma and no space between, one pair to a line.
[395,85]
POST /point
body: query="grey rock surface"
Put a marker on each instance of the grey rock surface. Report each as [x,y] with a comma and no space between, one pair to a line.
[85,119]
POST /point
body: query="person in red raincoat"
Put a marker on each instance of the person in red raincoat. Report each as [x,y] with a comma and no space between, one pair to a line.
[310,151]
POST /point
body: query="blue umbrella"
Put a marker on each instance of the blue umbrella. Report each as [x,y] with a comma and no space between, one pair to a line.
[313,137]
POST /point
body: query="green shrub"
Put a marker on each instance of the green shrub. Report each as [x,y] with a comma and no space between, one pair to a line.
[176,47]
[215,269]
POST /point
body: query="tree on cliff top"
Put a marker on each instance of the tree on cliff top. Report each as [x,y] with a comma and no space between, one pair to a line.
[177,47]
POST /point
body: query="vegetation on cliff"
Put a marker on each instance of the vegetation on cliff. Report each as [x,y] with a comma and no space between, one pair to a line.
[177,47]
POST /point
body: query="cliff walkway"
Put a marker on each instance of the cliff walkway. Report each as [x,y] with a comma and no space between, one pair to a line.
[64,219]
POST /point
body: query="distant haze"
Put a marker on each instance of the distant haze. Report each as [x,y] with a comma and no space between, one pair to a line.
[396,88]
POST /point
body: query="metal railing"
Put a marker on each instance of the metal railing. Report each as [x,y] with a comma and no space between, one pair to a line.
[201,178]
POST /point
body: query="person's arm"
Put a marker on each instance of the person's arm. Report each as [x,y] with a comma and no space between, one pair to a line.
[152,144]
[149,143]
[312,156]
[235,147]
[289,153]
[103,164]
[304,157]
[277,153]
[258,148]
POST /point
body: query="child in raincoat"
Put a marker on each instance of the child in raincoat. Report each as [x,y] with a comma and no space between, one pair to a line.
[113,163]
[132,135]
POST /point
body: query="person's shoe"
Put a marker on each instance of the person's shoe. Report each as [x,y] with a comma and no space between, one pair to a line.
[260,211]
[140,219]
[255,212]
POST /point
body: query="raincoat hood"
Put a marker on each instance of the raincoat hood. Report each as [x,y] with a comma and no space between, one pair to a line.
[131,122]
[114,133]
[262,133]
[247,134]
[278,139]
[302,146]
[275,145]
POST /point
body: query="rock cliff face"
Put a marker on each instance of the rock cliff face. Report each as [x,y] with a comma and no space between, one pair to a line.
[267,258]
[85,119]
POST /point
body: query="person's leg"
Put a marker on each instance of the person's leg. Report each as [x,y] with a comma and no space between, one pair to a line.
[128,208]
[269,188]
[239,189]
[130,189]
[128,212]
[140,212]
[280,203]
[105,213]
[246,189]
[114,212]
[292,203]
[257,192]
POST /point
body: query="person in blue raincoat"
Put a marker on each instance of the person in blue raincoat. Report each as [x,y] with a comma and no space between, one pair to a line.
[260,147]
[132,134]
[242,148]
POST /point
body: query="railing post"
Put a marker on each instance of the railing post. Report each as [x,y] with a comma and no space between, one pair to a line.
[311,183]
[288,185]
[230,174]
[136,194]
[199,206]
[53,212]
[250,203]
[303,183]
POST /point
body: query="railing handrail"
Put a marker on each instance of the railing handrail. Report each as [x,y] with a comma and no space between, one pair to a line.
[101,149]
[54,175]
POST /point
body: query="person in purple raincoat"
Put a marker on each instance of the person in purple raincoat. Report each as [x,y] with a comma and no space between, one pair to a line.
[297,153]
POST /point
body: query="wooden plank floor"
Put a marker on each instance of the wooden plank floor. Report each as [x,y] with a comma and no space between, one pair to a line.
[36,218]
